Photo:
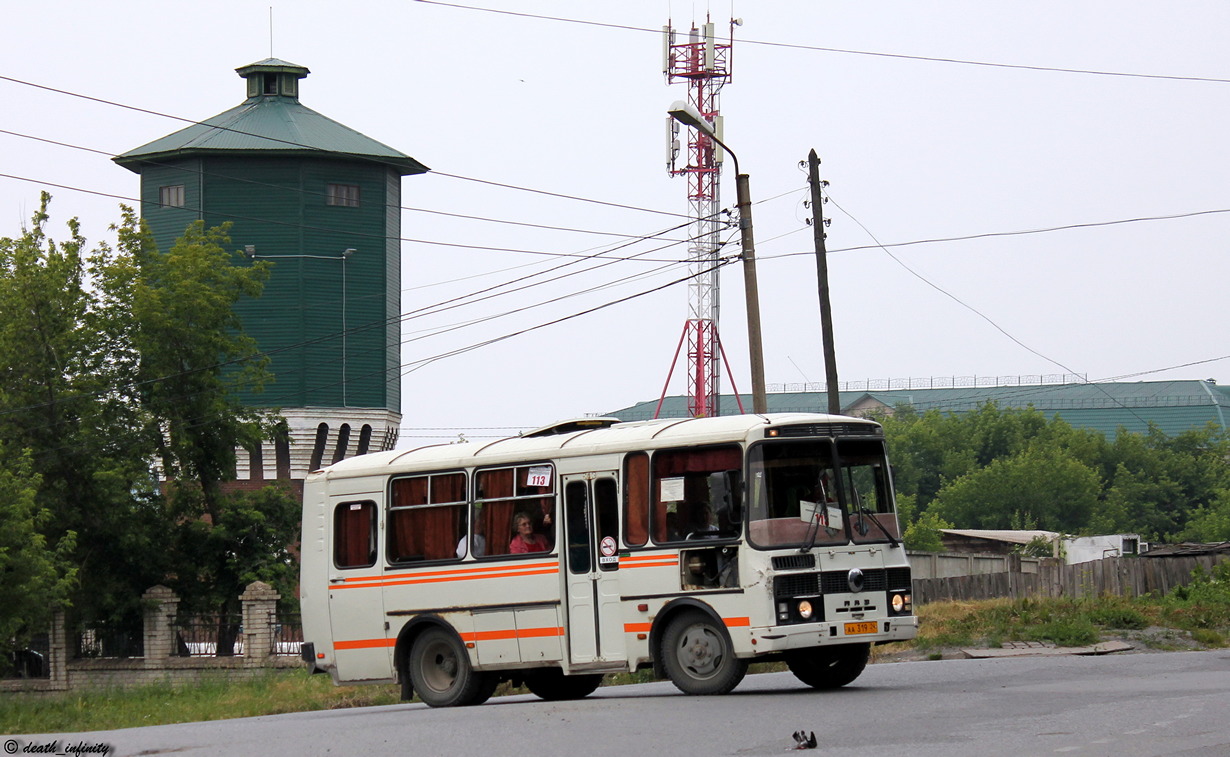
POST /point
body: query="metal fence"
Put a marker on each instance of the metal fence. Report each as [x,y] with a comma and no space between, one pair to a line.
[209,635]
[108,640]
[288,634]
[29,660]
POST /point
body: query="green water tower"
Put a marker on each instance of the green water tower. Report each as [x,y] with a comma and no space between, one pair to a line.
[323,203]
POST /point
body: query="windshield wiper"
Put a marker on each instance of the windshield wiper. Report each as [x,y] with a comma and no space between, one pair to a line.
[863,511]
[814,531]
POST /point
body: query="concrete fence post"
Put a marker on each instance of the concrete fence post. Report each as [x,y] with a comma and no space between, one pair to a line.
[260,606]
[161,609]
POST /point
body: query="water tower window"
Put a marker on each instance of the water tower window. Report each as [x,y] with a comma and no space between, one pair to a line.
[171,196]
[271,84]
[343,195]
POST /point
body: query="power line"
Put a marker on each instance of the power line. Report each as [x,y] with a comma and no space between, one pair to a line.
[842,51]
[367,158]
[299,190]
[969,307]
[993,234]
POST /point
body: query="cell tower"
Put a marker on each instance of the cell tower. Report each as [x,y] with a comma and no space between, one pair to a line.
[704,64]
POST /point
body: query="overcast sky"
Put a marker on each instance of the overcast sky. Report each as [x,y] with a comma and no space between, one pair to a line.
[915,150]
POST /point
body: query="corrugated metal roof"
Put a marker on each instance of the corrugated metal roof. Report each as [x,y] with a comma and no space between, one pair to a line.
[1174,406]
[1011,537]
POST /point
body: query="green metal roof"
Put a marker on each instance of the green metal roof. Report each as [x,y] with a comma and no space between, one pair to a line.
[276,124]
[1174,406]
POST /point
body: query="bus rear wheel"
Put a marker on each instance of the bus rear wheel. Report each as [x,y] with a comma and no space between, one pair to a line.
[698,657]
[829,667]
[552,685]
[441,674]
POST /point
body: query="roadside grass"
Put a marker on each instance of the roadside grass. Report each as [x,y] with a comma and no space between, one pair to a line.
[217,699]
[1198,613]
[1195,616]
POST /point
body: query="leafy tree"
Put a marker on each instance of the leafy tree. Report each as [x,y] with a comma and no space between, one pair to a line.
[61,403]
[113,361]
[923,535]
[1041,483]
[36,578]
[193,357]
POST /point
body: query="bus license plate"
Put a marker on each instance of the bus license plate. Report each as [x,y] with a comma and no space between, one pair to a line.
[857,628]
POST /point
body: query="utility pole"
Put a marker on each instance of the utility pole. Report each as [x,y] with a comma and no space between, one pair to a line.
[755,346]
[822,284]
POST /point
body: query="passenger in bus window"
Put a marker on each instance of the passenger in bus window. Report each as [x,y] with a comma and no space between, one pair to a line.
[524,539]
[703,519]
[478,542]
[543,524]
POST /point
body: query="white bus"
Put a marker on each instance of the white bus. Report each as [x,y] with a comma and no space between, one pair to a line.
[694,546]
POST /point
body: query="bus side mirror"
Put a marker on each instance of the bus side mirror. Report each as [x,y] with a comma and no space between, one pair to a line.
[725,496]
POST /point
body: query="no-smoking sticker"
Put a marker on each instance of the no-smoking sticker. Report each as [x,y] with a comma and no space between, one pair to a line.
[607,546]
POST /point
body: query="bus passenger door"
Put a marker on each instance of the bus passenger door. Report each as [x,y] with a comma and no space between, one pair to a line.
[356,603]
[591,554]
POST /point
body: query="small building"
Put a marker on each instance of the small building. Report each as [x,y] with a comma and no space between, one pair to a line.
[1072,549]
[995,542]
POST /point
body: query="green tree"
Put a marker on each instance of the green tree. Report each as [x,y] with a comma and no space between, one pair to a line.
[1041,483]
[923,535]
[63,402]
[192,359]
[37,578]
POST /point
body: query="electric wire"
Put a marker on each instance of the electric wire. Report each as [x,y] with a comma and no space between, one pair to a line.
[817,48]
[964,304]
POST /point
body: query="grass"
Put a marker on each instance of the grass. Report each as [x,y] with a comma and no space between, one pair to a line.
[1197,615]
[218,699]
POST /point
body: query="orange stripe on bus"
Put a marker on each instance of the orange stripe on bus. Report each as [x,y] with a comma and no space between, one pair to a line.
[404,578]
[364,644]
[737,622]
[638,627]
[483,569]
[644,558]
[670,564]
[523,633]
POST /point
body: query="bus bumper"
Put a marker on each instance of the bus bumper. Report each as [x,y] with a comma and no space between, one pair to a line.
[804,635]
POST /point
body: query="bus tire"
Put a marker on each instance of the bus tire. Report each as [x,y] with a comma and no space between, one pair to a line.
[441,674]
[552,685]
[829,667]
[698,657]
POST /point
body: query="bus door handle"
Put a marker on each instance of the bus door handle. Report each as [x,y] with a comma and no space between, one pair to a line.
[337,580]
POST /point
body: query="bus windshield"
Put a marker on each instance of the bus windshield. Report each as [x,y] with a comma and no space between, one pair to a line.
[818,492]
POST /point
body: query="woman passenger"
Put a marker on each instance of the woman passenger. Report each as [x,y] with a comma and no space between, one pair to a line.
[525,540]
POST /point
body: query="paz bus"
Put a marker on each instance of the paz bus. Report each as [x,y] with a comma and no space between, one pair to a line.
[693,546]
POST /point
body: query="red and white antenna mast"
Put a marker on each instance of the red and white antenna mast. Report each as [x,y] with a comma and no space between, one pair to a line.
[704,64]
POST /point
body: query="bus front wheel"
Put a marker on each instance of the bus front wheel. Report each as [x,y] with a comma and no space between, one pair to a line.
[829,667]
[441,673]
[698,657]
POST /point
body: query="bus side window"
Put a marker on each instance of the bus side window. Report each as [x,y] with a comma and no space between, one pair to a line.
[636,499]
[426,517]
[354,535]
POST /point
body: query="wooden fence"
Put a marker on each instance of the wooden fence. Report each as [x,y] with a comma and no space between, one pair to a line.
[1122,576]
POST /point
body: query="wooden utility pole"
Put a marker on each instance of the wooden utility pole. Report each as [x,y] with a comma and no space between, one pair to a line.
[822,283]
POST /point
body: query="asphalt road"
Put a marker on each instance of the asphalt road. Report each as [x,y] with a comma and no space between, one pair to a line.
[1122,705]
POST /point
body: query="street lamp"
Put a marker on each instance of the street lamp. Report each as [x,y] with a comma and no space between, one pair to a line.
[689,116]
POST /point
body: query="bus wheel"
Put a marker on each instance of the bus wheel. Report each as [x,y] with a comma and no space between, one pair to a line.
[697,655]
[552,685]
[441,674]
[829,667]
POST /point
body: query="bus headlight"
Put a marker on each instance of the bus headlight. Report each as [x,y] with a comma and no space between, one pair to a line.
[900,603]
[805,609]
